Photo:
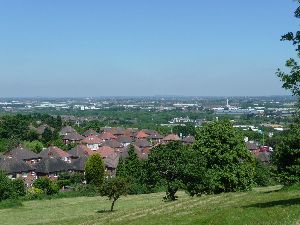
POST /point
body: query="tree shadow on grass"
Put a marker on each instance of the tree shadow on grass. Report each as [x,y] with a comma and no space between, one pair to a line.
[104,211]
[285,202]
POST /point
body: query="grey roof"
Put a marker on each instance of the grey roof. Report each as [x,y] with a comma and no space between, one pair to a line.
[79,163]
[112,144]
[124,139]
[73,137]
[13,165]
[80,151]
[142,143]
[21,153]
[52,165]
[155,136]
[112,160]
[251,146]
[90,132]
[67,130]
[53,151]
[188,139]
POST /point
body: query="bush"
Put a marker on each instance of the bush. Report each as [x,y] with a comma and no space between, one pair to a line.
[263,174]
[49,187]
[5,187]
[18,187]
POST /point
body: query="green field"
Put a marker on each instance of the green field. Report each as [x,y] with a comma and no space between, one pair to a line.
[260,206]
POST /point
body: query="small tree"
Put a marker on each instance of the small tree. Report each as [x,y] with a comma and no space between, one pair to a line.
[5,186]
[94,170]
[114,188]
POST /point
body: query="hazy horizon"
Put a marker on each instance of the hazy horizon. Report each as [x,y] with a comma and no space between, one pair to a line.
[143,48]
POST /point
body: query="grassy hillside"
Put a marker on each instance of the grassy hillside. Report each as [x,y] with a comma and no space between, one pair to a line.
[260,206]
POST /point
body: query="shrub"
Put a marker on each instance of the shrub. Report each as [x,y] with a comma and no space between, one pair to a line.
[18,187]
[49,187]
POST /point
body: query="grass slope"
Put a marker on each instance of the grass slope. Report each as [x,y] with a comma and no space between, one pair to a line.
[260,206]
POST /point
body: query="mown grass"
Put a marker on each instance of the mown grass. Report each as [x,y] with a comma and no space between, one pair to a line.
[260,206]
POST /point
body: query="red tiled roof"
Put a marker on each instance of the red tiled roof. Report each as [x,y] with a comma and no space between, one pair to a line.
[141,135]
[105,151]
[107,136]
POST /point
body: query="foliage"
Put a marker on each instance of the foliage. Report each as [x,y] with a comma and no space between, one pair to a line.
[18,187]
[264,175]
[48,186]
[5,187]
[114,188]
[286,156]
[47,135]
[94,170]
[187,129]
[230,166]
[67,179]
[130,169]
[166,163]
[35,146]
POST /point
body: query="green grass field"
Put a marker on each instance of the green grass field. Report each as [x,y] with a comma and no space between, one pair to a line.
[260,206]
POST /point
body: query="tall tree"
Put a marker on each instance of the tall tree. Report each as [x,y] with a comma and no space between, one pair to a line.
[230,166]
[94,170]
[287,152]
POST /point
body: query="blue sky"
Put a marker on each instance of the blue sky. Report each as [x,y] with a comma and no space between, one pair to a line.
[143,47]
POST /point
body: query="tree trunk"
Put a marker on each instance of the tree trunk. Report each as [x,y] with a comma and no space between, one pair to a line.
[112,205]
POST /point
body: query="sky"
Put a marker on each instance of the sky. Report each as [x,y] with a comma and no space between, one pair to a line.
[91,48]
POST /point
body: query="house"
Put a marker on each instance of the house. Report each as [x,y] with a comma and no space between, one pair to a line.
[80,151]
[123,153]
[24,154]
[113,144]
[104,151]
[188,140]
[106,136]
[51,167]
[78,165]
[171,137]
[155,138]
[16,168]
[118,131]
[252,147]
[72,138]
[67,130]
[56,152]
[111,163]
[143,145]
[124,140]
[90,132]
[141,135]
[92,142]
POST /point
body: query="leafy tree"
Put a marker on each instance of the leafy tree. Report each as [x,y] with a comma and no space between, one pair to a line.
[287,152]
[94,170]
[230,166]
[35,146]
[47,135]
[287,156]
[263,174]
[114,188]
[166,163]
[188,129]
[130,169]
